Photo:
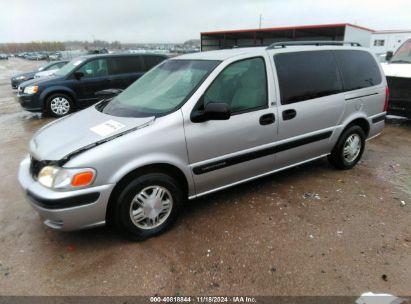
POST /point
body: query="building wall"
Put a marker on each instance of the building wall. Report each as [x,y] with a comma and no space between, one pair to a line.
[354,34]
[391,41]
[265,37]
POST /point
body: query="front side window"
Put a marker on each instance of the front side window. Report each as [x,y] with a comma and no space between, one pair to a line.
[242,85]
[94,68]
[307,75]
[161,90]
[358,69]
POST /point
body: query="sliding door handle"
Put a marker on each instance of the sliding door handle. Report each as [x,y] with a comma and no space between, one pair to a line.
[289,114]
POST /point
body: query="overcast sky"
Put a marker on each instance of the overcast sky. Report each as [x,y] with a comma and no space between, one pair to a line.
[144,21]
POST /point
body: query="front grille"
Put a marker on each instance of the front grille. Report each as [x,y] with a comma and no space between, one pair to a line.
[35,167]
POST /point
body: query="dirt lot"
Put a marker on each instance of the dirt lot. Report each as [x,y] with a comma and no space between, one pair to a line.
[310,230]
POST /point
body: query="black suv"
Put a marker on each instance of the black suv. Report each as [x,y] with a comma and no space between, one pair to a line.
[74,86]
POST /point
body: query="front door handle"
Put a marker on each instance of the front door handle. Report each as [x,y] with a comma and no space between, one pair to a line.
[289,114]
[267,119]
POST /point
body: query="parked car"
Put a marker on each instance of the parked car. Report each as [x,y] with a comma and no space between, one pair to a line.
[74,85]
[4,56]
[55,56]
[398,73]
[16,80]
[51,71]
[200,123]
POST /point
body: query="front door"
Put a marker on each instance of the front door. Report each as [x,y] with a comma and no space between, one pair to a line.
[95,78]
[224,152]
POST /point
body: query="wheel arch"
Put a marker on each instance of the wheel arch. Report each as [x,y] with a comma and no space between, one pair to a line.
[54,90]
[166,168]
[361,122]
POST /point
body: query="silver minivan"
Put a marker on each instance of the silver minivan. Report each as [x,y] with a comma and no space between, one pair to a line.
[199,123]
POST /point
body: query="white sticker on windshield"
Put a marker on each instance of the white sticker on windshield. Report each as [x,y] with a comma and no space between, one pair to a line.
[107,128]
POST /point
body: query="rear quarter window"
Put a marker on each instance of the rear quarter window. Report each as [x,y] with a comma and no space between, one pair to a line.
[307,75]
[358,69]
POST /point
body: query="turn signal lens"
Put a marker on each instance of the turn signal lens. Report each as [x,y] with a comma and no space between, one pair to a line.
[82,179]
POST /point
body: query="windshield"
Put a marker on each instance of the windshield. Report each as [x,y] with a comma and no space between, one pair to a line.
[403,54]
[43,67]
[69,67]
[161,90]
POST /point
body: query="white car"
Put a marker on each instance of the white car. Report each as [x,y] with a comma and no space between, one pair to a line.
[55,68]
[398,73]
[45,73]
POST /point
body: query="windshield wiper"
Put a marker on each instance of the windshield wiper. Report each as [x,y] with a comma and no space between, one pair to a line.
[400,61]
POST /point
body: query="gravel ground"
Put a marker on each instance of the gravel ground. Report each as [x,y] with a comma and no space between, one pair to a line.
[310,230]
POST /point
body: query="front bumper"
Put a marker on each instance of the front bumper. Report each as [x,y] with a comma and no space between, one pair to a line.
[15,83]
[68,210]
[400,96]
[30,102]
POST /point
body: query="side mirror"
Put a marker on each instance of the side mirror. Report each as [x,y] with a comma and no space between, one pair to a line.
[108,93]
[388,55]
[78,75]
[212,111]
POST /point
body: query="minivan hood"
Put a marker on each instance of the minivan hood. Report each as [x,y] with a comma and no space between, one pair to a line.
[64,136]
[397,69]
[39,81]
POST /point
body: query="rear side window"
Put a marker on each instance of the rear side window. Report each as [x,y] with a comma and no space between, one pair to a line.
[307,75]
[358,69]
[126,64]
[151,61]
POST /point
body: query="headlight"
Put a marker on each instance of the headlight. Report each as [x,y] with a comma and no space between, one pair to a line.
[31,90]
[20,78]
[66,179]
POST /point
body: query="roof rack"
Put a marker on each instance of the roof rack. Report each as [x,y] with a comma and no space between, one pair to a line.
[317,43]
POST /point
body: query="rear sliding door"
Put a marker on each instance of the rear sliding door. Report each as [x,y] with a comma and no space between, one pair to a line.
[310,104]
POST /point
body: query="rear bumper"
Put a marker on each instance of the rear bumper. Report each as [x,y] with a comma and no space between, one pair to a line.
[376,123]
[68,210]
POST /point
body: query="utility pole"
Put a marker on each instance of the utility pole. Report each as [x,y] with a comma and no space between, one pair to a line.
[261,19]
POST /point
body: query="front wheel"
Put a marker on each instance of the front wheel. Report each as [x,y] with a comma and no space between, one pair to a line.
[59,105]
[349,148]
[148,206]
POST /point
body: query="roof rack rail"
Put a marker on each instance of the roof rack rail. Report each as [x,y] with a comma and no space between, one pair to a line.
[317,43]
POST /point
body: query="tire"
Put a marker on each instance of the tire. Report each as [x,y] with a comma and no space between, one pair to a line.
[59,105]
[347,140]
[141,192]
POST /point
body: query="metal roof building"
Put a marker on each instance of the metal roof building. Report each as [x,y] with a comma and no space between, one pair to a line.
[266,36]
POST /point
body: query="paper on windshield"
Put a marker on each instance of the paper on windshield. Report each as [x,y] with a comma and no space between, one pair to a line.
[107,128]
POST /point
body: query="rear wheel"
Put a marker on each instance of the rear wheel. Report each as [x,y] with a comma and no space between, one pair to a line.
[349,148]
[148,206]
[59,105]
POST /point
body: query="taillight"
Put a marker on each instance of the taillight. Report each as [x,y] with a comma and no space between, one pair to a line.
[387,94]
